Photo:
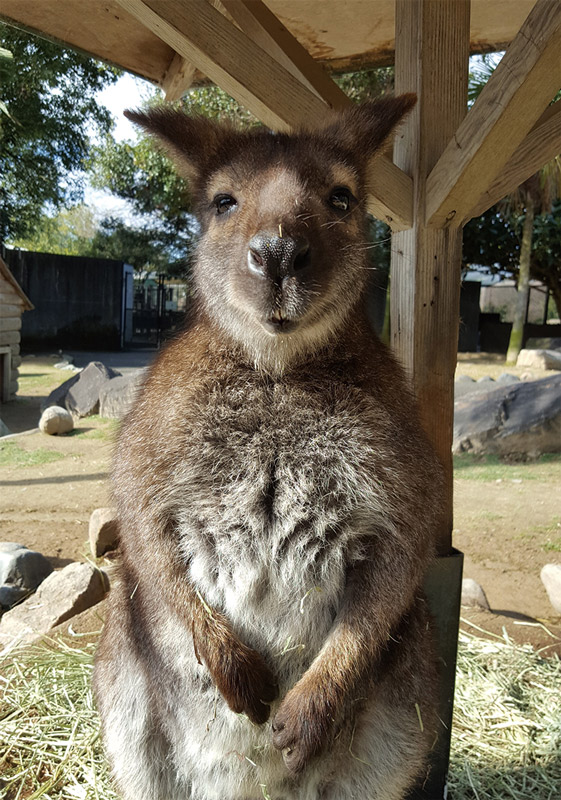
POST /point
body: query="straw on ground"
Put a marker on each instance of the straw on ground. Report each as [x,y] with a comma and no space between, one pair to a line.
[506,738]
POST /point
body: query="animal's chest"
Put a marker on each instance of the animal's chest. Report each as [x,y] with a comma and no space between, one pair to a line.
[272,490]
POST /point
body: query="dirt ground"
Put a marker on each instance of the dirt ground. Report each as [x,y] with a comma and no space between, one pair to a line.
[507,515]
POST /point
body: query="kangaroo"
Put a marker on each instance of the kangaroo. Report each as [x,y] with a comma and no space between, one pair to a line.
[268,635]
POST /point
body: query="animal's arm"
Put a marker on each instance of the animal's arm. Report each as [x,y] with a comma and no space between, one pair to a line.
[240,673]
[379,591]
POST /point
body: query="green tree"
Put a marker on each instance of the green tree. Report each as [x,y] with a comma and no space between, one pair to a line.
[50,114]
[533,196]
[69,233]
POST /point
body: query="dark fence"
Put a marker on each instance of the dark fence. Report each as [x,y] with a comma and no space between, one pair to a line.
[78,301]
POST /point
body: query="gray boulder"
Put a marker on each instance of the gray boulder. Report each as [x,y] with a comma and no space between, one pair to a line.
[21,572]
[507,377]
[103,531]
[539,359]
[551,579]
[523,417]
[4,430]
[473,595]
[80,394]
[55,421]
[117,395]
[61,596]
[549,343]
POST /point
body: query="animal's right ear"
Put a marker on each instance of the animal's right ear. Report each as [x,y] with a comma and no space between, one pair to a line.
[192,141]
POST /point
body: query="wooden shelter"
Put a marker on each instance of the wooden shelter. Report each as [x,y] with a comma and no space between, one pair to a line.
[449,164]
[13,302]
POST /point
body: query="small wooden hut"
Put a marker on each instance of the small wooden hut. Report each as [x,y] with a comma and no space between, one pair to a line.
[449,164]
[13,302]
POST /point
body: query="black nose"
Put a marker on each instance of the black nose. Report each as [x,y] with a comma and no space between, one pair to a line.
[277,257]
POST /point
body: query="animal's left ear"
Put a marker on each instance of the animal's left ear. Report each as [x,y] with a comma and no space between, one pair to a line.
[364,128]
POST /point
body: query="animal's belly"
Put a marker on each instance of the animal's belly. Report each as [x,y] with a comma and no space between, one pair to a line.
[273,500]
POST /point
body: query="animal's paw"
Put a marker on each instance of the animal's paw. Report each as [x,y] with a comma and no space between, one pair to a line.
[302,727]
[246,683]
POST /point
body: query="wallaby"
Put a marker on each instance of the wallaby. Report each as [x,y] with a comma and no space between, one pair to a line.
[268,636]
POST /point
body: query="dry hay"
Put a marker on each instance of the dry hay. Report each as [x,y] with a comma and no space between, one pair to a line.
[506,738]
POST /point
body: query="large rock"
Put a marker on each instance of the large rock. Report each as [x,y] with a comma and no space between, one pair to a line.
[548,343]
[464,385]
[539,359]
[4,430]
[523,417]
[62,595]
[21,572]
[80,394]
[473,595]
[118,395]
[103,531]
[55,421]
[551,579]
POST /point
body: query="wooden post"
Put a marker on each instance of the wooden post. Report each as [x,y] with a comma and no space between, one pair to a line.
[432,54]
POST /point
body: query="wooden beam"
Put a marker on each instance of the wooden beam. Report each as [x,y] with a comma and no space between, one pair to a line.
[203,36]
[542,144]
[178,78]
[266,30]
[432,53]
[523,84]
[390,194]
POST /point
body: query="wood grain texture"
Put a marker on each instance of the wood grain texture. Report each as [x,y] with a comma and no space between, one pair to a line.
[541,145]
[203,36]
[432,49]
[178,78]
[266,30]
[523,84]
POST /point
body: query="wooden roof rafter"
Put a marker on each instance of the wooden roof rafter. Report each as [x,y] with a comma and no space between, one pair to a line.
[521,87]
[541,145]
[205,38]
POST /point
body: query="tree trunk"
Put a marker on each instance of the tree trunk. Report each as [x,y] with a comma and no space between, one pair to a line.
[517,333]
[556,294]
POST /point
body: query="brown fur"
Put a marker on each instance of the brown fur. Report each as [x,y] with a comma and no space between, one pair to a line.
[277,376]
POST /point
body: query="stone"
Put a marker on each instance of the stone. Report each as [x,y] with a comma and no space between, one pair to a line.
[80,394]
[103,531]
[464,385]
[82,399]
[55,421]
[522,418]
[539,359]
[551,579]
[507,377]
[548,343]
[21,572]
[62,595]
[473,595]
[4,430]
[117,395]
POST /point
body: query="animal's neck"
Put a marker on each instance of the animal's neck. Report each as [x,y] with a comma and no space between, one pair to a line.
[282,355]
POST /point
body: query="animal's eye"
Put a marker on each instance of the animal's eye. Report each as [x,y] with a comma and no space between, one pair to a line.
[224,203]
[340,199]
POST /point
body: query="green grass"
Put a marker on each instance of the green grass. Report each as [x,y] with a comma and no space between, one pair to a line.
[468,466]
[41,382]
[11,455]
[104,428]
